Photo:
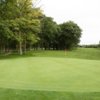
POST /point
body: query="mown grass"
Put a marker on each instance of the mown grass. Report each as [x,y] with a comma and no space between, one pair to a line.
[51,75]
[11,94]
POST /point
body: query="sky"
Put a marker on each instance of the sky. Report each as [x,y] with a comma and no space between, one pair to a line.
[86,13]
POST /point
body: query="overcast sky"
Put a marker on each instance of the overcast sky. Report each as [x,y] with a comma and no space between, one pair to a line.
[86,13]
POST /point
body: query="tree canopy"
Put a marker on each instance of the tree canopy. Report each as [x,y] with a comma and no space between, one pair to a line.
[70,35]
[23,27]
[19,22]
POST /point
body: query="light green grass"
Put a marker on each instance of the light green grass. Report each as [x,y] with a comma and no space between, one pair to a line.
[52,76]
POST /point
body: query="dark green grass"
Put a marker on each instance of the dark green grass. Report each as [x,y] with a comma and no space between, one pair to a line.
[8,94]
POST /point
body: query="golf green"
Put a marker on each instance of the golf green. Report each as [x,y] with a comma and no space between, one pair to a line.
[50,74]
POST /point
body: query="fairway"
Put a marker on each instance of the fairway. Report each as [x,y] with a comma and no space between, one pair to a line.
[50,74]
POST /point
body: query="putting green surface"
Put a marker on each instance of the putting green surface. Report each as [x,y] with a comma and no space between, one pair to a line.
[50,74]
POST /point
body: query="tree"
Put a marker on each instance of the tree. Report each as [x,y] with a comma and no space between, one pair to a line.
[28,22]
[8,9]
[48,33]
[70,35]
[99,44]
[5,35]
[23,21]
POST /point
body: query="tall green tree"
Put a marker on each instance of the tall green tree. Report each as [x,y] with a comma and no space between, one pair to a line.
[99,44]
[48,33]
[70,35]
[28,20]
[5,35]
[23,21]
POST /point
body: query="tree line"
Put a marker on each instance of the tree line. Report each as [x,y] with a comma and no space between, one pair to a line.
[24,27]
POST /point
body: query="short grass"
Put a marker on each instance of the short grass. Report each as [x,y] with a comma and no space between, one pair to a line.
[56,75]
[81,53]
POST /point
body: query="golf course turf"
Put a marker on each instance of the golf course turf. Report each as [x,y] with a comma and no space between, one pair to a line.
[50,78]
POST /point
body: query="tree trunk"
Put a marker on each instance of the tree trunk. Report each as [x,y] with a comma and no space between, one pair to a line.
[30,46]
[20,48]
[25,47]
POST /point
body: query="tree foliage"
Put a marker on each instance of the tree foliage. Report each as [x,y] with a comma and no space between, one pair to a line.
[70,35]
[63,36]
[20,22]
[23,26]
[49,32]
